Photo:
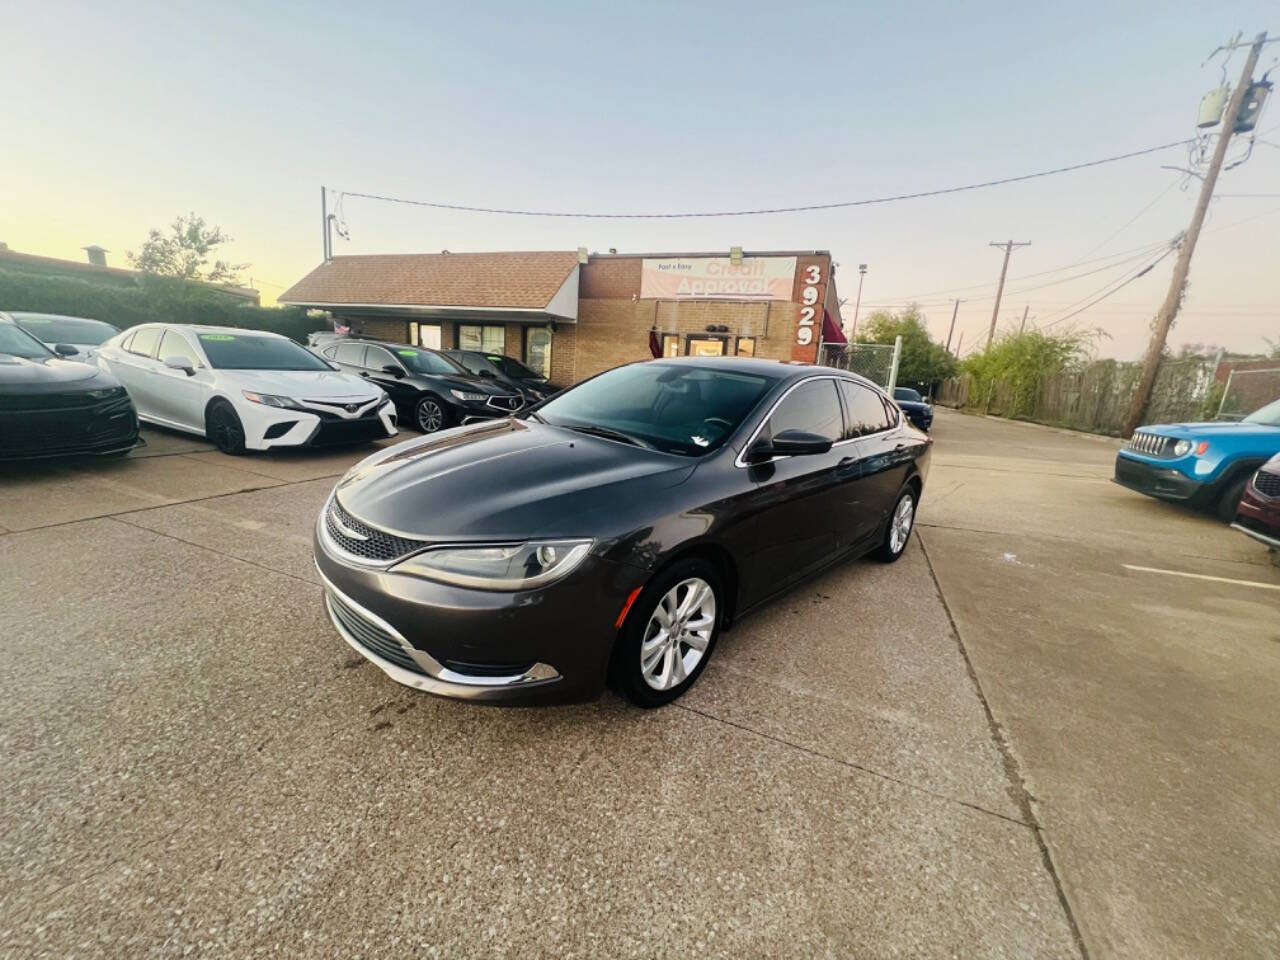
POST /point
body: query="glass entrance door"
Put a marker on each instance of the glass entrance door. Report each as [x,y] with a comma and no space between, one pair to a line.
[700,346]
[537,350]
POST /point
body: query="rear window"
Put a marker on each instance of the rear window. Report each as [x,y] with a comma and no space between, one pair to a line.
[52,329]
[239,351]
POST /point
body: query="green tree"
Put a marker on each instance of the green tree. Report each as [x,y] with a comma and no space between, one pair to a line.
[1021,361]
[184,252]
[924,361]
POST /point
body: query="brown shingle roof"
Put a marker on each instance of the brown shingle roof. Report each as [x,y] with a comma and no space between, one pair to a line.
[522,280]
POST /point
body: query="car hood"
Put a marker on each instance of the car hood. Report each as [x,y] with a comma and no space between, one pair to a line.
[45,373]
[502,480]
[302,384]
[475,384]
[912,404]
[1208,431]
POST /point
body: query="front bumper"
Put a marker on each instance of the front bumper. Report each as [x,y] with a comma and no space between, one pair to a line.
[1164,483]
[495,408]
[94,429]
[269,428]
[1258,516]
[550,644]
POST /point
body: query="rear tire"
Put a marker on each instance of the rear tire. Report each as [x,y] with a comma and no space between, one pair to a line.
[898,532]
[222,427]
[1229,502]
[669,634]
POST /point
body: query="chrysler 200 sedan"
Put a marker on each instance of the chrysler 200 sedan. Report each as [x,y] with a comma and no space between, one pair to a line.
[611,533]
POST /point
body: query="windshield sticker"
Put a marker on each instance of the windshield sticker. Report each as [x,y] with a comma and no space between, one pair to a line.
[407,353]
[26,320]
[220,337]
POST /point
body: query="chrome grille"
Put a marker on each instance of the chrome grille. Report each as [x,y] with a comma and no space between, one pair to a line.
[1151,444]
[505,403]
[1267,484]
[370,635]
[369,543]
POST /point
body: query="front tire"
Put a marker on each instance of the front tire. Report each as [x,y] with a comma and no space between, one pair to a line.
[669,634]
[901,522]
[1229,502]
[430,414]
[223,428]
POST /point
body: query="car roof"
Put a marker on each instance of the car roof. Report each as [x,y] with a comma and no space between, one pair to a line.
[781,370]
[208,328]
[20,314]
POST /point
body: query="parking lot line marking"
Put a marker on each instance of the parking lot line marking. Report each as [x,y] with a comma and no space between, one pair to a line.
[1203,576]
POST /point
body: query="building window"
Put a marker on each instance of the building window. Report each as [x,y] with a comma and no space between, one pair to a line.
[424,334]
[537,350]
[486,339]
[671,344]
[746,346]
[703,346]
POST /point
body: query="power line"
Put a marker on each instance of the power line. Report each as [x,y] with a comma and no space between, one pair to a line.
[1115,289]
[766,210]
[1132,220]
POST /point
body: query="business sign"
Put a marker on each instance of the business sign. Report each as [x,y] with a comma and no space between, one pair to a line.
[717,278]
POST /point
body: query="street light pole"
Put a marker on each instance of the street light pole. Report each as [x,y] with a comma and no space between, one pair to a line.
[853,331]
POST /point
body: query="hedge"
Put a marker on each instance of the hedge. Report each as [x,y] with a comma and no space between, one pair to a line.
[147,300]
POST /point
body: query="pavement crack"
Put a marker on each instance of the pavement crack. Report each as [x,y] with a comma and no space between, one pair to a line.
[1018,791]
[853,765]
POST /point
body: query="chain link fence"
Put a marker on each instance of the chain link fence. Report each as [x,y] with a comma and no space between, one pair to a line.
[1247,390]
[871,360]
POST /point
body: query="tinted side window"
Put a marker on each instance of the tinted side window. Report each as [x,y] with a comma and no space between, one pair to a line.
[867,413]
[175,344]
[892,410]
[813,407]
[351,353]
[377,358]
[330,352]
[144,341]
[473,362]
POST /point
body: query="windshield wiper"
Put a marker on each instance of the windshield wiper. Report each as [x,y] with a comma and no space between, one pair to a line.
[609,434]
[532,415]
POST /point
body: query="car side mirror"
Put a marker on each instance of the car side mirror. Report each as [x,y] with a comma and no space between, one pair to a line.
[333,366]
[485,373]
[180,363]
[797,443]
[392,369]
[65,350]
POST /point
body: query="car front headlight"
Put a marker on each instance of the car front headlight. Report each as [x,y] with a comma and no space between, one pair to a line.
[469,396]
[1182,448]
[271,400]
[105,393]
[514,566]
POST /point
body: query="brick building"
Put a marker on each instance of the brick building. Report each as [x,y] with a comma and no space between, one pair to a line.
[571,315]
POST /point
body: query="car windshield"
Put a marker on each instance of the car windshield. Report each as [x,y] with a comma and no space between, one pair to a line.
[674,408]
[18,343]
[52,329]
[906,393]
[1269,415]
[240,351]
[513,368]
[428,361]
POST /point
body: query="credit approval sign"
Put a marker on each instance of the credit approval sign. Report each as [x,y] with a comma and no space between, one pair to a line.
[716,278]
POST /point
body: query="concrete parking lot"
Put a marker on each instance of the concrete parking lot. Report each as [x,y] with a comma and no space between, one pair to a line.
[1009,744]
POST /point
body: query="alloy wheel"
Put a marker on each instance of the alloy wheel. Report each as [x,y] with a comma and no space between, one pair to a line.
[900,526]
[228,436]
[430,416]
[678,633]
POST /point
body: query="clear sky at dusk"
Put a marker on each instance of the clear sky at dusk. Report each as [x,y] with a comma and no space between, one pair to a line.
[117,117]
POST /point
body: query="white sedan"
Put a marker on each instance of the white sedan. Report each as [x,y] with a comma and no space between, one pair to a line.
[243,389]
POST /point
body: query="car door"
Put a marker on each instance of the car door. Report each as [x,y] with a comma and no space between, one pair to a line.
[796,499]
[400,389]
[883,455]
[178,397]
[349,356]
[134,366]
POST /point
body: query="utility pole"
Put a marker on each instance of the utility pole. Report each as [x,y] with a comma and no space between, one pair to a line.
[1178,281]
[853,331]
[995,312]
[952,329]
[959,344]
[1023,326]
[324,224]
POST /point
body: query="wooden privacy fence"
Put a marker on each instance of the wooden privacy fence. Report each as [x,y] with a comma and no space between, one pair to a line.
[1094,398]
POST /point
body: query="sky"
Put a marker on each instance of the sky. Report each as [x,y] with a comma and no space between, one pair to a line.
[118,117]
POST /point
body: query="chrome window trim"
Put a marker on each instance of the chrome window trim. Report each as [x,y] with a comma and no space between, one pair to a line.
[742,464]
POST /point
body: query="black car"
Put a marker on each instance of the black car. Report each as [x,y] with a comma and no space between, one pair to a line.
[507,371]
[430,390]
[612,532]
[915,407]
[51,407]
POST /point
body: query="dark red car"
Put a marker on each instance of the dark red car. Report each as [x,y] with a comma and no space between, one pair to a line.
[1259,513]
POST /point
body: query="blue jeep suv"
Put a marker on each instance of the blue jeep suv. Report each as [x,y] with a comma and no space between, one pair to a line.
[1203,464]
